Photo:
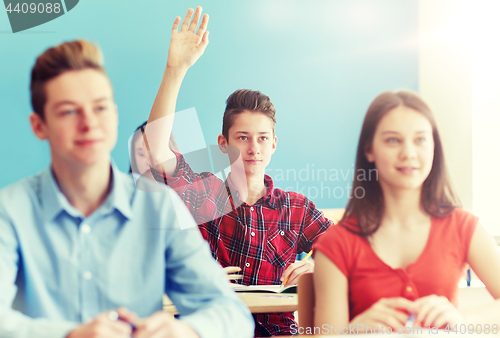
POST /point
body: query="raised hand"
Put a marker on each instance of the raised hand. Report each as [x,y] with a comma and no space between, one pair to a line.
[437,311]
[188,45]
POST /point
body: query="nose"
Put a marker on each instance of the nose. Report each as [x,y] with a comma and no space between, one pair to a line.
[88,119]
[408,151]
[253,147]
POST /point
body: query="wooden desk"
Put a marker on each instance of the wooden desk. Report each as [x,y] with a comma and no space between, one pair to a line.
[256,302]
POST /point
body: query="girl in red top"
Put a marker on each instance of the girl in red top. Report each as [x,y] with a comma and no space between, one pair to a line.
[402,244]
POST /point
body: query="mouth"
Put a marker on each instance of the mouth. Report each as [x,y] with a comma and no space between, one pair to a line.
[253,161]
[86,143]
[407,170]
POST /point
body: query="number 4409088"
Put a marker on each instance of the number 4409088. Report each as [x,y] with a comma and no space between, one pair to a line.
[471,328]
[34,8]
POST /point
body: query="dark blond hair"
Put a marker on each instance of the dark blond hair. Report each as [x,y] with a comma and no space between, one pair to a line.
[437,197]
[68,56]
[246,99]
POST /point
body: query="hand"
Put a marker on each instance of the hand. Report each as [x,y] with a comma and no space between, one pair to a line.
[186,46]
[164,325]
[296,269]
[388,312]
[103,326]
[437,311]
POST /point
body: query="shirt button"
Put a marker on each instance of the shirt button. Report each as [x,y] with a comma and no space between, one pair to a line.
[247,264]
[86,229]
[252,233]
[282,232]
[87,275]
[409,289]
[251,209]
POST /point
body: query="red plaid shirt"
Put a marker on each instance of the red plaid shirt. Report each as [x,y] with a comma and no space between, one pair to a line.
[262,239]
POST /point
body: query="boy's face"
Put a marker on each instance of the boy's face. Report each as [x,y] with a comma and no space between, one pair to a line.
[252,134]
[81,119]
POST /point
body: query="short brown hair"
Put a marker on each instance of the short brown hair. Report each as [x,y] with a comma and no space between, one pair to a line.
[68,56]
[246,99]
[437,197]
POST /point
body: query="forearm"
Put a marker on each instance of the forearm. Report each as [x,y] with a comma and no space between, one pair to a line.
[161,118]
[224,319]
[14,324]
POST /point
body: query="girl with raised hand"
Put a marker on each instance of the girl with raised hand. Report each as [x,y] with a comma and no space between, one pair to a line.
[401,248]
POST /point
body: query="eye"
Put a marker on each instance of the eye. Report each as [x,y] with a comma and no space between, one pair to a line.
[263,138]
[420,140]
[243,138]
[68,112]
[392,140]
[100,108]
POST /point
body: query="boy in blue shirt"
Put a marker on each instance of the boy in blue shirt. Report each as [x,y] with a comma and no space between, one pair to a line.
[78,239]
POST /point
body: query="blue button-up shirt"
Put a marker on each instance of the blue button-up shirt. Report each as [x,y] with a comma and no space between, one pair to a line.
[59,268]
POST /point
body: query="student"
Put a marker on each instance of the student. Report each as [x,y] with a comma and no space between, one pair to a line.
[139,164]
[78,239]
[247,222]
[403,243]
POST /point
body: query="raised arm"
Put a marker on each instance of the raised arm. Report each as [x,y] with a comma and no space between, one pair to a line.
[185,49]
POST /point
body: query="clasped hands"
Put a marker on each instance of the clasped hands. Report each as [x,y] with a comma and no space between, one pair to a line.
[430,311]
[159,324]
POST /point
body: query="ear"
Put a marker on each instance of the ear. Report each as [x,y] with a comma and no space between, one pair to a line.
[275,143]
[369,154]
[221,140]
[38,126]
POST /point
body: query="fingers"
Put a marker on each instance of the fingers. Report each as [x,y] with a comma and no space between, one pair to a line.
[401,304]
[196,19]
[294,276]
[436,311]
[231,269]
[175,27]
[127,315]
[387,312]
[185,23]
[148,327]
[203,26]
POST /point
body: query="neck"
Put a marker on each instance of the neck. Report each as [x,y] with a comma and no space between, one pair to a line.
[84,188]
[403,206]
[250,186]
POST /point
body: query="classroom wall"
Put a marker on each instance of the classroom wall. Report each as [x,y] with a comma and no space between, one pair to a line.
[321,62]
[445,84]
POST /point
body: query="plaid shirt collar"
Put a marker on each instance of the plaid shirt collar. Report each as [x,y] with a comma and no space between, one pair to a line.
[269,199]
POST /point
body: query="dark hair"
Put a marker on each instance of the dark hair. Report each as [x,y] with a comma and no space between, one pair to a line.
[133,163]
[437,197]
[68,56]
[246,99]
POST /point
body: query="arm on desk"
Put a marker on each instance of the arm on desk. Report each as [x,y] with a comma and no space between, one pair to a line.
[484,259]
[332,303]
[198,286]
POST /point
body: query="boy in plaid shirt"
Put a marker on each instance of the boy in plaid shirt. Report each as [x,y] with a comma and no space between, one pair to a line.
[247,222]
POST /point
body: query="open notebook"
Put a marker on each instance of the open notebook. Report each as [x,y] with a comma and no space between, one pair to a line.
[264,288]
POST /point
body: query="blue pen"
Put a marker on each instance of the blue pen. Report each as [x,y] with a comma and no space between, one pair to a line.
[411,321]
[113,315]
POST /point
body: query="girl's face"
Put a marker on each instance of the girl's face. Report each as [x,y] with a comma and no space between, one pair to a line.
[402,149]
[141,158]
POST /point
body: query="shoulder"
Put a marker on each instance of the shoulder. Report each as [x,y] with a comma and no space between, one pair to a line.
[460,219]
[459,223]
[21,194]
